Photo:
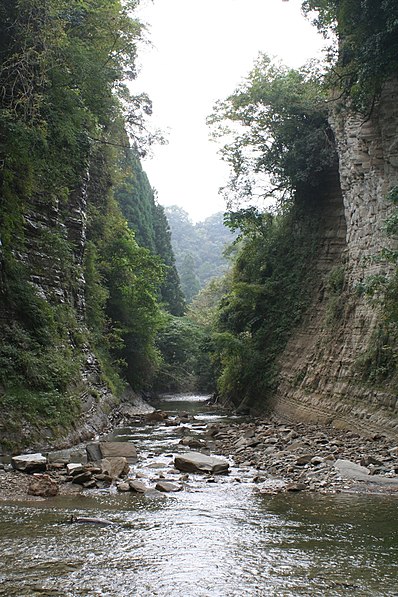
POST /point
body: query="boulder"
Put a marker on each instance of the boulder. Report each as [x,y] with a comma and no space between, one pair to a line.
[156,417]
[137,486]
[195,462]
[94,453]
[115,467]
[43,486]
[74,469]
[351,470]
[192,442]
[123,487]
[294,487]
[82,478]
[167,487]
[118,450]
[59,457]
[304,459]
[29,463]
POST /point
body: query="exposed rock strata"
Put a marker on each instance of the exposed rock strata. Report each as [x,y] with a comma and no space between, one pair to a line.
[320,379]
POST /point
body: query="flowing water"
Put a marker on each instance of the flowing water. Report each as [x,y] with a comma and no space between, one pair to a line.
[212,539]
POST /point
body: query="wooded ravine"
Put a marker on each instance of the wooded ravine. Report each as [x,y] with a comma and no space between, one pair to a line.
[301,314]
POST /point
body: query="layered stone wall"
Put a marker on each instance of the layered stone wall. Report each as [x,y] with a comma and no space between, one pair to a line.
[320,377]
[54,246]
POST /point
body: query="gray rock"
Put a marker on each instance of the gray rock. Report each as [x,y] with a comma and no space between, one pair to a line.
[156,417]
[115,467]
[304,459]
[29,463]
[94,453]
[82,478]
[294,487]
[196,462]
[317,460]
[119,449]
[60,456]
[351,470]
[369,459]
[192,442]
[123,487]
[74,468]
[154,494]
[137,486]
[167,487]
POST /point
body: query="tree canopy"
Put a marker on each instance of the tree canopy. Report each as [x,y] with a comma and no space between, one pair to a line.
[277,134]
[367,52]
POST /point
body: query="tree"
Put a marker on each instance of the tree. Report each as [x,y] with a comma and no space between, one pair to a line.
[205,241]
[281,139]
[146,217]
[66,113]
[189,281]
[367,53]
[171,291]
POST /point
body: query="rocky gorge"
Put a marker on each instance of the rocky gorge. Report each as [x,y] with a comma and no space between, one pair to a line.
[267,453]
[200,492]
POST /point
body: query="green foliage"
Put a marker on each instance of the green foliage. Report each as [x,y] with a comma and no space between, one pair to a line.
[368,45]
[124,279]
[198,248]
[203,309]
[53,409]
[281,139]
[171,291]
[271,288]
[186,366]
[380,362]
[65,110]
[96,293]
[336,297]
[40,354]
[148,220]
[136,199]
[189,280]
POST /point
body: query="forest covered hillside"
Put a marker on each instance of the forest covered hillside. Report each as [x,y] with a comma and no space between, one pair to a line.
[309,326]
[303,316]
[199,248]
[87,269]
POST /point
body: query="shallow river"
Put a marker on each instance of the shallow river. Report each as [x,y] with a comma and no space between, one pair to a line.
[213,539]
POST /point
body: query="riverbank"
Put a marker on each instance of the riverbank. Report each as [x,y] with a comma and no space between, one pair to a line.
[309,457]
[271,455]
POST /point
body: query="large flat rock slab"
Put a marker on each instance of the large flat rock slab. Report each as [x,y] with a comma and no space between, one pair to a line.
[118,450]
[351,470]
[195,462]
[29,463]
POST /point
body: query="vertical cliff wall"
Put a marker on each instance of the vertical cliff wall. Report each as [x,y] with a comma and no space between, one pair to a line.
[320,375]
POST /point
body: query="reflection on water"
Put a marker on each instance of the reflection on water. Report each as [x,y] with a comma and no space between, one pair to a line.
[214,539]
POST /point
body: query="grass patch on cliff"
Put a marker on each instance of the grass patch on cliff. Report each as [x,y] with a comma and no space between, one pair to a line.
[379,364]
[40,355]
[46,409]
[273,283]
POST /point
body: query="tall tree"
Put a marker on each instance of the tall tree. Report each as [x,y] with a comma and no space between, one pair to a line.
[147,218]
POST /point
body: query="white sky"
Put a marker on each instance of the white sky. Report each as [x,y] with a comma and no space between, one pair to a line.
[201,50]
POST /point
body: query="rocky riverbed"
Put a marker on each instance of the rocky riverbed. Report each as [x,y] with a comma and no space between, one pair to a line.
[275,457]
[309,457]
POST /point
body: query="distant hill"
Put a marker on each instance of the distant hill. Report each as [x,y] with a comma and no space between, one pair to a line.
[198,248]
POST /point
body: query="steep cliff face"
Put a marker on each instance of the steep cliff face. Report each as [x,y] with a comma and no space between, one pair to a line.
[320,374]
[52,252]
